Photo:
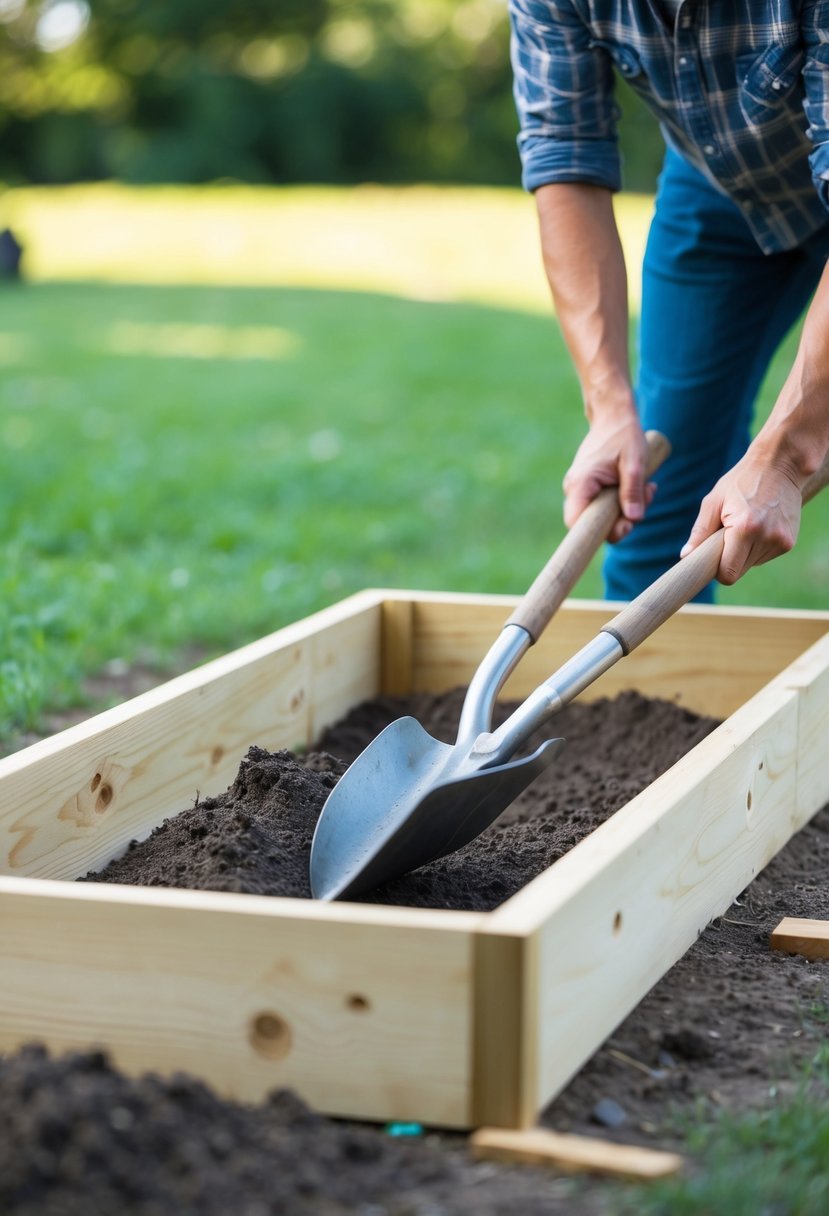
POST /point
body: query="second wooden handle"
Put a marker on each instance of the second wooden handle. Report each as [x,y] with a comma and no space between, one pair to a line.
[638,620]
[573,555]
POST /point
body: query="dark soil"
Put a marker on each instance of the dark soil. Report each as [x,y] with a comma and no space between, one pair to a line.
[727,1027]
[256,837]
[78,1138]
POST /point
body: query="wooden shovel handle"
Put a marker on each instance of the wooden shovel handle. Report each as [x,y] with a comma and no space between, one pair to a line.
[638,620]
[573,555]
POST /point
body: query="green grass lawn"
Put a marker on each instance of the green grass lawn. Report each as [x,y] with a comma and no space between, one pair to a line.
[762,1163]
[195,463]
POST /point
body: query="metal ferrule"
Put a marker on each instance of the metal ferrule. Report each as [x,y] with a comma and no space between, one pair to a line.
[508,648]
[565,684]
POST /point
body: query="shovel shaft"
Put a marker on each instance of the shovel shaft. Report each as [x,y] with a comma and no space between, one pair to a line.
[573,555]
[628,629]
[544,597]
[509,647]
[577,674]
[638,620]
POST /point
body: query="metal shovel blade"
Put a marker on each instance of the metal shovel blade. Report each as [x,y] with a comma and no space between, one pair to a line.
[408,799]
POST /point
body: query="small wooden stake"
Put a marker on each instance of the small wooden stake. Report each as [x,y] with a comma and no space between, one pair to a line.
[807,937]
[573,1154]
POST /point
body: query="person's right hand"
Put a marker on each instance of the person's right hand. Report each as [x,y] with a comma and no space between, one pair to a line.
[613,453]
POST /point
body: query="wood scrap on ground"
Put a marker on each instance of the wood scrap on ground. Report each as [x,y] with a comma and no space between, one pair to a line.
[796,935]
[573,1154]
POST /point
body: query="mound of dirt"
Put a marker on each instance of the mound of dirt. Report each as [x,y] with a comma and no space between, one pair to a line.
[78,1138]
[256,837]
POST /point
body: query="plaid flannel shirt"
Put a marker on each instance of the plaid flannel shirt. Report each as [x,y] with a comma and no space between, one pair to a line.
[741,91]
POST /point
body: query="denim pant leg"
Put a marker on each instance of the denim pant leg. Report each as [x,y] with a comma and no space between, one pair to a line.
[714,310]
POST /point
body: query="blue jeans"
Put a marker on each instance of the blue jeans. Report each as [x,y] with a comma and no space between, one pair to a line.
[714,310]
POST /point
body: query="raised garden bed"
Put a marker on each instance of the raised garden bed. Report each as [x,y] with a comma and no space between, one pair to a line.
[453,1018]
[255,838]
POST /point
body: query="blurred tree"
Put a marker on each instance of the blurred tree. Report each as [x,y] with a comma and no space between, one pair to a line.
[301,90]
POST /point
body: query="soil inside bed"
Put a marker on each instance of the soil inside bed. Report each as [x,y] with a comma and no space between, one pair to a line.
[728,1026]
[256,837]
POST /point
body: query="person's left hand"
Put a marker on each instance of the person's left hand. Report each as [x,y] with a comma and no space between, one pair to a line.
[758,503]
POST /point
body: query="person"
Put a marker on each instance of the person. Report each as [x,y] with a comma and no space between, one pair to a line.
[737,248]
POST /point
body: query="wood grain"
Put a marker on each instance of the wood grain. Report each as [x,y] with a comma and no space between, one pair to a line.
[361,1018]
[709,659]
[809,938]
[499,1039]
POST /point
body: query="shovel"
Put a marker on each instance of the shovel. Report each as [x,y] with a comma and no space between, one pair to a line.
[409,798]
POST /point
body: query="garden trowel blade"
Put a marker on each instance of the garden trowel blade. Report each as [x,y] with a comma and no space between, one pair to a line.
[406,800]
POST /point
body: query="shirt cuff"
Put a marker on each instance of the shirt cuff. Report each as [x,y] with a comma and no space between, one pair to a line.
[819,162]
[595,161]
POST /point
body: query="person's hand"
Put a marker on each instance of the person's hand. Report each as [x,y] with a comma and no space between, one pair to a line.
[613,453]
[758,503]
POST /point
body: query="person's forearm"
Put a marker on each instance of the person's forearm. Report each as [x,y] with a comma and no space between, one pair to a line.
[795,437]
[586,270]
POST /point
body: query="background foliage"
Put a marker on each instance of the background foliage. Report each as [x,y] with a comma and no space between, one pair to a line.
[297,91]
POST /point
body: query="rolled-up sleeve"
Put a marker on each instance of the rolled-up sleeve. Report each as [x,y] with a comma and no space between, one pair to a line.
[815,26]
[564,96]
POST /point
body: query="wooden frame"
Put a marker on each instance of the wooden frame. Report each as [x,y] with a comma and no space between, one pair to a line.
[448,1018]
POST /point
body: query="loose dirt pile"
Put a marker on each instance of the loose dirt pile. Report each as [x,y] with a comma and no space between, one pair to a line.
[79,1139]
[256,837]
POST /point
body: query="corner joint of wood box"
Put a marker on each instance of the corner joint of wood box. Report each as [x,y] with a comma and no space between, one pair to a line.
[809,938]
[573,1154]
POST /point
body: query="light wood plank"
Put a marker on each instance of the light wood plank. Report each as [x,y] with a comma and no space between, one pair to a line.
[345,668]
[795,935]
[616,912]
[72,802]
[499,1038]
[223,901]
[362,1018]
[396,647]
[711,660]
[573,1154]
[809,675]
